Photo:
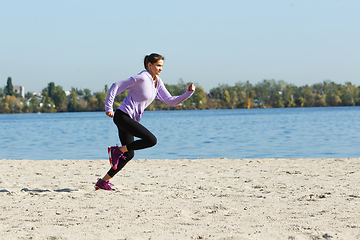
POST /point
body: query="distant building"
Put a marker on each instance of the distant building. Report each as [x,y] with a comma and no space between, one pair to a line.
[37,95]
[20,90]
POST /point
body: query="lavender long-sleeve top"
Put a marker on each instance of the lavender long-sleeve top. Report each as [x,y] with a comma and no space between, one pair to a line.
[142,93]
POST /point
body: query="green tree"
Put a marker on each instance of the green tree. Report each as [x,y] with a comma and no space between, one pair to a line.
[87,94]
[274,93]
[178,89]
[277,100]
[226,99]
[333,93]
[51,89]
[55,95]
[175,90]
[59,98]
[357,96]
[309,99]
[46,103]
[93,104]
[101,97]
[34,103]
[243,99]
[88,99]
[73,105]
[288,95]
[26,107]
[225,96]
[263,91]
[348,94]
[318,90]
[233,99]
[250,94]
[79,92]
[320,100]
[216,93]
[333,99]
[5,108]
[199,98]
[9,89]
[11,104]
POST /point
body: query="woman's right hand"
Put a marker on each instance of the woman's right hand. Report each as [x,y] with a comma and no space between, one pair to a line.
[191,87]
[110,114]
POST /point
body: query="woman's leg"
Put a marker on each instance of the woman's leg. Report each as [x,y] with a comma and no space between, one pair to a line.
[133,128]
[128,128]
[125,138]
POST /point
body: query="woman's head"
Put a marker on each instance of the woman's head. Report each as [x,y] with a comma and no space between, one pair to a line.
[153,63]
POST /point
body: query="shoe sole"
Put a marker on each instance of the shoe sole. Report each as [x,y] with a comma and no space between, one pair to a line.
[109,152]
[110,159]
[97,188]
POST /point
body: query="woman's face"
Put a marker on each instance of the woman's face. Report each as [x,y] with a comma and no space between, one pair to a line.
[156,68]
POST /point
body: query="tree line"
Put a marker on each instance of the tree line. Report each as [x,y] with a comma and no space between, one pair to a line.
[279,94]
[265,94]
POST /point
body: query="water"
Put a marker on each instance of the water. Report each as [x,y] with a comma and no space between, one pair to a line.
[237,133]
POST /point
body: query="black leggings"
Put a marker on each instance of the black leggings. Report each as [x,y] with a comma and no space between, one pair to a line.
[128,129]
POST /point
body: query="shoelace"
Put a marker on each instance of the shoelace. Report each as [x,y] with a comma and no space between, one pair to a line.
[107,186]
[108,183]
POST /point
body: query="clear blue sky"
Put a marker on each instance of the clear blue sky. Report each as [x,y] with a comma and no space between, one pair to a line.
[87,44]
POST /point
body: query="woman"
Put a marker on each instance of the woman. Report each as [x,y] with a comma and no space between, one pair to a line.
[143,89]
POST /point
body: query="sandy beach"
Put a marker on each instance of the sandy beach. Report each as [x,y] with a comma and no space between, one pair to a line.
[182,199]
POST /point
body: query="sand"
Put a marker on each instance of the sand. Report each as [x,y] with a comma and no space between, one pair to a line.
[182,199]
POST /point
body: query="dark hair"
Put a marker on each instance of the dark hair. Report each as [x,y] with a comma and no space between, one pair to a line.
[152,58]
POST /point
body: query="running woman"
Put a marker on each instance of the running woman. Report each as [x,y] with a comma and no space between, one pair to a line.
[143,89]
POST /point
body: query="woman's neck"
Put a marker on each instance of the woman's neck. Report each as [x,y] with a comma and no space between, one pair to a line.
[153,76]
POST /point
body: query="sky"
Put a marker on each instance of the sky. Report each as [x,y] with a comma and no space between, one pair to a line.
[90,44]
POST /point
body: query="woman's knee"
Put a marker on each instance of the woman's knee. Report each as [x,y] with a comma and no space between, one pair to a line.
[152,141]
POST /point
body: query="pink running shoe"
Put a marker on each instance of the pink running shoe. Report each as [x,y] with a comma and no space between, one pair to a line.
[102,184]
[115,154]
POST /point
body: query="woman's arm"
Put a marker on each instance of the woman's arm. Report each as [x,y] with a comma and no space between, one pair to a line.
[164,95]
[115,89]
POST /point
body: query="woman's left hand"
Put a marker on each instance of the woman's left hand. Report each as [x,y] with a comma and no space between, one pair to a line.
[110,114]
[192,87]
